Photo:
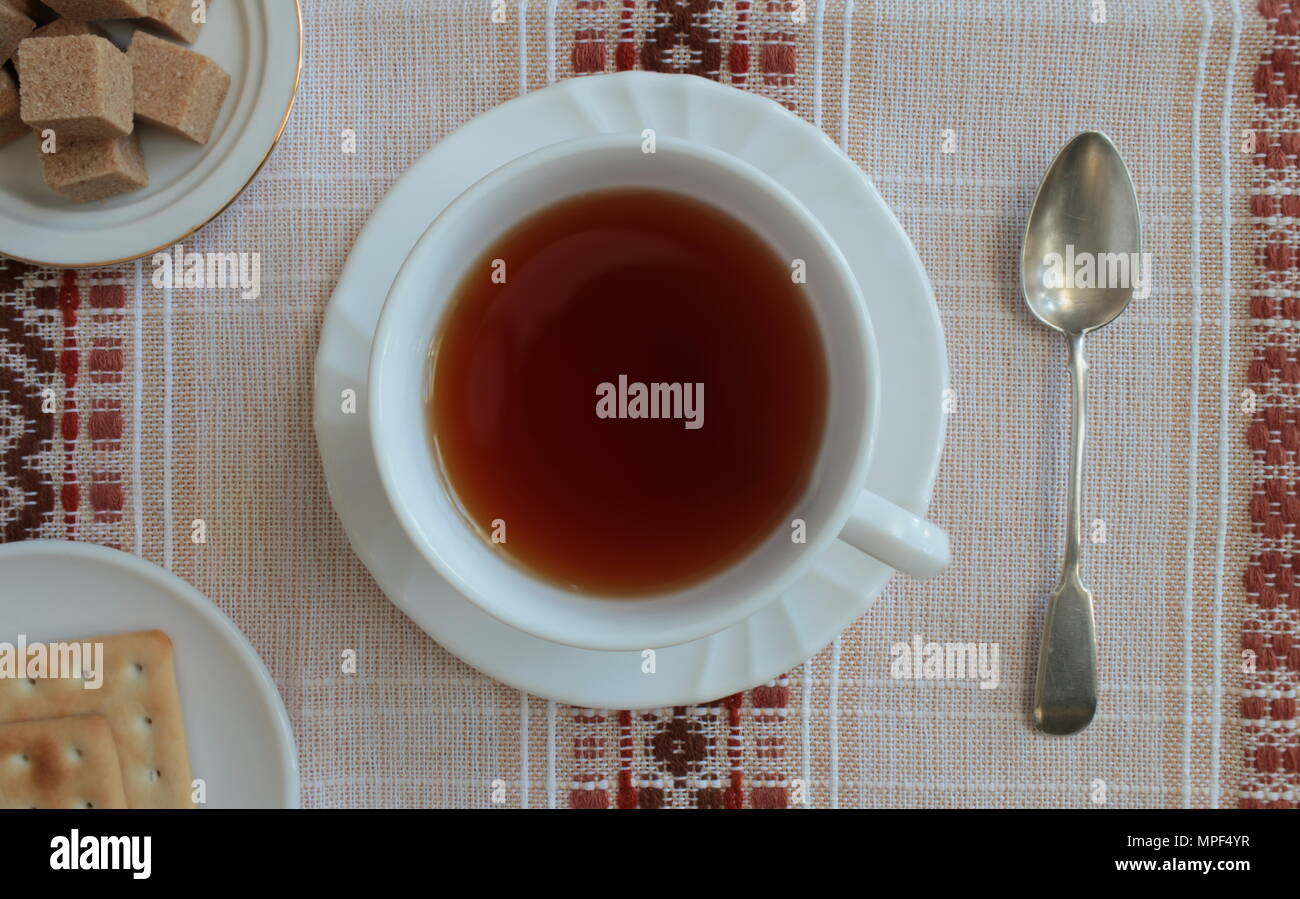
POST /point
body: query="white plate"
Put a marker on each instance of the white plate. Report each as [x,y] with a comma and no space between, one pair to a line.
[914,369]
[238,732]
[260,44]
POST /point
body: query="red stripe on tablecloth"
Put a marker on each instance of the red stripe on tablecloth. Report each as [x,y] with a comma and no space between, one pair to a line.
[729,753]
[589,41]
[771,704]
[28,365]
[55,326]
[626,756]
[1271,649]
[685,37]
[70,365]
[625,55]
[734,795]
[738,57]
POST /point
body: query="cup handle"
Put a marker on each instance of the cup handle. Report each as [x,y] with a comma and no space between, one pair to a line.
[896,537]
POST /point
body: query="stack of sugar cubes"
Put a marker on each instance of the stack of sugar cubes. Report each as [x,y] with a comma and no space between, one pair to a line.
[82,96]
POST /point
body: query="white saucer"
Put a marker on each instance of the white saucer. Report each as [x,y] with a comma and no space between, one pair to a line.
[238,732]
[843,583]
[260,45]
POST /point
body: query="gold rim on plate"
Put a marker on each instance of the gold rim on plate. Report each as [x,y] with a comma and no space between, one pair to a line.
[284,122]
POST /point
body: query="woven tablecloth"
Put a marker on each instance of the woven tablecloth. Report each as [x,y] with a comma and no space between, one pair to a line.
[183,405]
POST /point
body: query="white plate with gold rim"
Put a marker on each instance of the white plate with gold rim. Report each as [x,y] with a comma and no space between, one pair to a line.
[914,372]
[260,45]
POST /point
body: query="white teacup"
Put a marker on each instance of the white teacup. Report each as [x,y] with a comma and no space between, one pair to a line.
[834,504]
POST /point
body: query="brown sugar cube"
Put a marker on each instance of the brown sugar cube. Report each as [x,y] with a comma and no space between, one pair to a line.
[67,28]
[79,86]
[33,9]
[99,9]
[11,123]
[174,18]
[64,28]
[96,169]
[14,26]
[176,89]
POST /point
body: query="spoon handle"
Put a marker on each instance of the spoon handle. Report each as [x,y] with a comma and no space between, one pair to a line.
[1078,436]
[1065,696]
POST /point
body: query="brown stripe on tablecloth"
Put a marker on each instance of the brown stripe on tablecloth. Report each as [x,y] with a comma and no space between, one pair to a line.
[62,394]
[28,368]
[729,753]
[1270,638]
[722,40]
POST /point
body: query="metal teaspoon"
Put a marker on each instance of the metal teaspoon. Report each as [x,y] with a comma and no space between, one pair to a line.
[1085,205]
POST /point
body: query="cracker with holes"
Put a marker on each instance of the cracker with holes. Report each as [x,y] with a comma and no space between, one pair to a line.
[139,699]
[60,763]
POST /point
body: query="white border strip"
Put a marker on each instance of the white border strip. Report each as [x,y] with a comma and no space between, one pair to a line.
[525,785]
[1193,425]
[168,550]
[834,698]
[844,75]
[551,713]
[550,40]
[550,703]
[819,26]
[525,780]
[834,741]
[805,742]
[137,498]
[1225,319]
[523,47]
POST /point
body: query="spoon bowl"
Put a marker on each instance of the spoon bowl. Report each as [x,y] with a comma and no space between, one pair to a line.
[1085,209]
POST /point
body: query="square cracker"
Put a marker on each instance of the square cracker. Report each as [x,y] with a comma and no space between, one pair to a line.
[138,696]
[60,763]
